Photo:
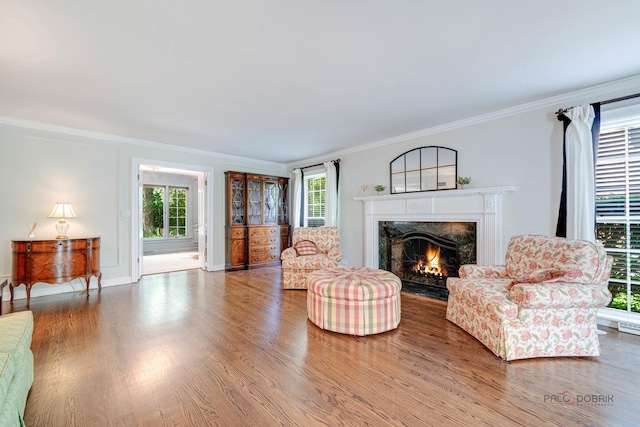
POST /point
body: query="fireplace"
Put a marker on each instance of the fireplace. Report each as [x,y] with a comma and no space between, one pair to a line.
[479,206]
[424,254]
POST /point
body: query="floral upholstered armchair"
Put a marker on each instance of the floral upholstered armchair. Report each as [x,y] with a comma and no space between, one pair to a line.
[312,248]
[542,302]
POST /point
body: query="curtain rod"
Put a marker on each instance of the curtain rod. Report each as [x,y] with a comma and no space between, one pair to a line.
[319,164]
[608,101]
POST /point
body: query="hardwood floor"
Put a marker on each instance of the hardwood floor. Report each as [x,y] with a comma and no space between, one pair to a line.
[232,349]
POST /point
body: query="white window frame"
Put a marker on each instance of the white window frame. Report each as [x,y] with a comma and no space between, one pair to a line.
[623,119]
[308,178]
[166,213]
[187,233]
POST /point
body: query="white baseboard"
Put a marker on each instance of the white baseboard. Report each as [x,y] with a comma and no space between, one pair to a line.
[77,285]
[620,320]
[629,328]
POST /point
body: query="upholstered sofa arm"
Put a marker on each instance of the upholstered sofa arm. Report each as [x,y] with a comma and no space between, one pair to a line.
[473,271]
[288,253]
[335,253]
[559,295]
[487,296]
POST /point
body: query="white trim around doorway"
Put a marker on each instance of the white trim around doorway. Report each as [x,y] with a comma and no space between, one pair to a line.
[136,226]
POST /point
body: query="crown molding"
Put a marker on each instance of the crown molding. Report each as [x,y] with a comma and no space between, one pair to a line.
[591,94]
[46,127]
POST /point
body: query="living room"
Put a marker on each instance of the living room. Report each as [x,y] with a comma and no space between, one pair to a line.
[46,157]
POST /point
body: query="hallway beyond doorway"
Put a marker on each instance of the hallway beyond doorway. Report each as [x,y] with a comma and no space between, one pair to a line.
[164,263]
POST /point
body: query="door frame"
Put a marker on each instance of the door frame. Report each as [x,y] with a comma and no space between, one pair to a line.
[205,200]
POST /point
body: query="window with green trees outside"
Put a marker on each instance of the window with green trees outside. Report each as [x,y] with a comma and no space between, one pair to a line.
[315,200]
[164,205]
[618,207]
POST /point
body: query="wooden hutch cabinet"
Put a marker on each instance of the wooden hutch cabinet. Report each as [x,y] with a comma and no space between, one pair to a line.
[257,219]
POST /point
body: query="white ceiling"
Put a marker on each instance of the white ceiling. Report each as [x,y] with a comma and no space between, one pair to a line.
[283,80]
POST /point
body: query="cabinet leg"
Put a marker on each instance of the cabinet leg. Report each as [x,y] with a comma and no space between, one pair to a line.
[87,281]
[11,290]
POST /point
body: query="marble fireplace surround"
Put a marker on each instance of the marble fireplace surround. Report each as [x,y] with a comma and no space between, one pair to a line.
[480,205]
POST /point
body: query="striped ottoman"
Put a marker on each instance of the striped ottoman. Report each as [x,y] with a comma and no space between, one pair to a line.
[354,300]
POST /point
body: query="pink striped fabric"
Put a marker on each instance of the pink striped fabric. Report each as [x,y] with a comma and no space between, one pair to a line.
[354,300]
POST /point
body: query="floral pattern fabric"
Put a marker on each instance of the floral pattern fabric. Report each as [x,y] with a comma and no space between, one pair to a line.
[541,275]
[471,271]
[559,295]
[296,269]
[524,320]
[586,261]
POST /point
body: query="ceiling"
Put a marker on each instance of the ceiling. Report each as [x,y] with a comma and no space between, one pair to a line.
[284,80]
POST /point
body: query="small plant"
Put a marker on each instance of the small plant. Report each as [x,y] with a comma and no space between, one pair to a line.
[464,180]
[379,188]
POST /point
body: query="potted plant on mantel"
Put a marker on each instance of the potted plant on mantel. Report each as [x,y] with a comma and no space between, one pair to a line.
[463,180]
[379,188]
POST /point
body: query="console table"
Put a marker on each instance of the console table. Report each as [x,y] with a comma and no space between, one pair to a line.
[54,261]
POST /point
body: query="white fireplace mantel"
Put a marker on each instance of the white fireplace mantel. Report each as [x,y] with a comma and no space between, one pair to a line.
[480,205]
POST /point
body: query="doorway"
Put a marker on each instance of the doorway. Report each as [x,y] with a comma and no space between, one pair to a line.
[171,218]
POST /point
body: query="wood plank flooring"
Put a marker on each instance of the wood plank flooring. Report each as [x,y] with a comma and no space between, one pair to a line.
[232,349]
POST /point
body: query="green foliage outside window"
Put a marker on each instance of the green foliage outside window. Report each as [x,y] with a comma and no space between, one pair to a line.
[620,234]
[316,200]
[618,208]
[177,212]
[617,237]
[153,212]
[620,301]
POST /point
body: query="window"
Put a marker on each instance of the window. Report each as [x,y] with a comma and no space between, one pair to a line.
[164,205]
[177,212]
[618,203]
[314,201]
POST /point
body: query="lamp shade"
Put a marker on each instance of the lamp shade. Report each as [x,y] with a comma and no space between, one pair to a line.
[62,210]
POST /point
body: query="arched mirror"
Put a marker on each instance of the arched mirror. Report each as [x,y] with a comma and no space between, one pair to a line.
[424,169]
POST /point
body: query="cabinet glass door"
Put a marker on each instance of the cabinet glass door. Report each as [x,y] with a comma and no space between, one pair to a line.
[270,200]
[254,202]
[283,211]
[237,201]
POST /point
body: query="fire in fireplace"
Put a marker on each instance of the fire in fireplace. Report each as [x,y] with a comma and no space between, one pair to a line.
[429,264]
[425,254]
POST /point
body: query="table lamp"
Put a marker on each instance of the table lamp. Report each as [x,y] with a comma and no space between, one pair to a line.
[62,210]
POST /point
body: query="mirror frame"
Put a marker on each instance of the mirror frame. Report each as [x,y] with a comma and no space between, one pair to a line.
[443,180]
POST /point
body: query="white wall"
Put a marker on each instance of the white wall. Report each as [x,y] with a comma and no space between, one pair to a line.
[521,147]
[39,166]
[522,151]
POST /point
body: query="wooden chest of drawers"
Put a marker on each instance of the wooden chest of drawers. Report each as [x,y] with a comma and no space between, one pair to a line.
[264,245]
[54,261]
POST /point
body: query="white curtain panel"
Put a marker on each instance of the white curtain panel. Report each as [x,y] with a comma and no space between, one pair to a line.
[331,195]
[296,194]
[580,174]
